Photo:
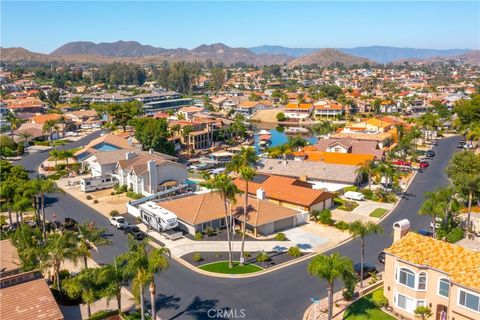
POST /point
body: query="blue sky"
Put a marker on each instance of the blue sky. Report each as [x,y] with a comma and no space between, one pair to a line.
[43,26]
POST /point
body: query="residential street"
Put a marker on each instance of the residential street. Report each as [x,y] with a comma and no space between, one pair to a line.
[284,294]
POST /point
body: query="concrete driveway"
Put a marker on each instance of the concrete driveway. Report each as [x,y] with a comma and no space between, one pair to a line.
[362,212]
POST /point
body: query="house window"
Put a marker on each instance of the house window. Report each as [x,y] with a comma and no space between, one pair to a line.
[443,287]
[407,278]
[406,303]
[469,301]
[422,281]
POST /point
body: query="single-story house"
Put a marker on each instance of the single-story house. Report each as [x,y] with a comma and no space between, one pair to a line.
[322,175]
[199,211]
[287,192]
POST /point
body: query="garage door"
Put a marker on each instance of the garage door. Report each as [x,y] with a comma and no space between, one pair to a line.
[283,224]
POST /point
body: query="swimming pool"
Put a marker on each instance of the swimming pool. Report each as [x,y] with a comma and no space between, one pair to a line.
[105,147]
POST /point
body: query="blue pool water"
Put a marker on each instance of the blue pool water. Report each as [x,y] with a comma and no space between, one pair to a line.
[279,138]
[106,147]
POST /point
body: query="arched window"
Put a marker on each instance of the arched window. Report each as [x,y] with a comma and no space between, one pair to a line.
[422,281]
[407,277]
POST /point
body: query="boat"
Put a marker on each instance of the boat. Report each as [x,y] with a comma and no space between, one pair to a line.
[263,131]
[296,130]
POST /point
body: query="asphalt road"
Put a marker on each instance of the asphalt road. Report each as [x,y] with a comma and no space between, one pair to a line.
[284,294]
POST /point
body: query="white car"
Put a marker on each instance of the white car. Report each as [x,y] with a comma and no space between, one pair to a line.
[119,222]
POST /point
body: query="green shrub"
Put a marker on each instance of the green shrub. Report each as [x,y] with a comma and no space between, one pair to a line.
[95,201]
[351,188]
[338,201]
[342,225]
[60,166]
[262,256]
[198,236]
[209,231]
[379,299]
[281,237]
[104,314]
[246,254]
[367,193]
[325,217]
[294,252]
[112,193]
[134,195]
[89,197]
[455,235]
[114,213]
[348,206]
[197,257]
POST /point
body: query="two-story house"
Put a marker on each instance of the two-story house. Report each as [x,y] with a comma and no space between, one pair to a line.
[423,271]
[298,110]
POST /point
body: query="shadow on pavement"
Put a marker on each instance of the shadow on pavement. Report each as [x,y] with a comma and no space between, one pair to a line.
[199,309]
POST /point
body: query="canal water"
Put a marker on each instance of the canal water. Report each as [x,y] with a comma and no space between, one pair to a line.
[279,137]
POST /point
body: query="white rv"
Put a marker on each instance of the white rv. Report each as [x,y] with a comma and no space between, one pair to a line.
[97,183]
[156,217]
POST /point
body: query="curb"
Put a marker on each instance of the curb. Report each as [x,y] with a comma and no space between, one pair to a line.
[289,263]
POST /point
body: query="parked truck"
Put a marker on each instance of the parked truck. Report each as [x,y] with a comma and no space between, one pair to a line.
[97,183]
[354,195]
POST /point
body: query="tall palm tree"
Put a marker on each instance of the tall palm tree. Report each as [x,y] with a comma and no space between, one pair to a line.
[228,191]
[27,240]
[25,136]
[40,187]
[242,164]
[115,277]
[142,265]
[86,285]
[331,268]
[433,206]
[60,246]
[90,237]
[56,155]
[362,230]
[66,154]
[368,169]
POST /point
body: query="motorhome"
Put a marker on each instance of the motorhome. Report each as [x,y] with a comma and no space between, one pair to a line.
[97,183]
[156,217]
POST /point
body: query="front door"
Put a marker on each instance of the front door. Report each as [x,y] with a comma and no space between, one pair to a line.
[441,312]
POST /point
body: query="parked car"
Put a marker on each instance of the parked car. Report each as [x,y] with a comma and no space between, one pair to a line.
[367,269]
[400,162]
[70,224]
[430,154]
[119,222]
[381,257]
[425,233]
[354,195]
[135,232]
[423,164]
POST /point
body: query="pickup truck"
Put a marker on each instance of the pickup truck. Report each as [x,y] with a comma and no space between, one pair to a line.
[135,232]
[119,222]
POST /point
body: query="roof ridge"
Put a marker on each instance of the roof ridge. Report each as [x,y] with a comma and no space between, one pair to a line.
[199,207]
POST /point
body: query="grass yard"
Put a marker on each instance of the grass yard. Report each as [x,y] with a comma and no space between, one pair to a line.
[365,309]
[222,267]
[378,213]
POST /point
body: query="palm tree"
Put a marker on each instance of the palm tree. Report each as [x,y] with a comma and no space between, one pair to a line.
[90,238]
[433,206]
[27,240]
[330,268]
[229,192]
[14,123]
[115,277]
[60,246]
[386,170]
[66,154]
[39,188]
[56,155]
[25,136]
[362,230]
[86,285]
[142,264]
[368,169]
[185,133]
[49,127]
[242,164]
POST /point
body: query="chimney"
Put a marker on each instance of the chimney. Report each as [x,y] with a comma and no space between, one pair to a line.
[261,194]
[400,229]
[152,175]
[130,155]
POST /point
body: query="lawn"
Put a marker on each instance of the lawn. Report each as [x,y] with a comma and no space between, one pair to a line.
[365,309]
[378,213]
[222,267]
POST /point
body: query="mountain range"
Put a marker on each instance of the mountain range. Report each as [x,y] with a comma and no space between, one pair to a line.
[132,51]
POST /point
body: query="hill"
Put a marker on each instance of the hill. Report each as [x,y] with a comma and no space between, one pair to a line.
[327,57]
[113,49]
